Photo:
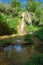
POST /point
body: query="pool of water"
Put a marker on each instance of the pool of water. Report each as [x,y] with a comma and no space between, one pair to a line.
[16,54]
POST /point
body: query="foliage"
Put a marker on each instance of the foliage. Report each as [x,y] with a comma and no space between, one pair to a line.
[36,59]
[39,34]
[31,6]
[16,5]
[35,8]
[31,28]
[5,42]
[12,23]
[9,15]
[28,38]
[3,25]
[2,8]
[6,26]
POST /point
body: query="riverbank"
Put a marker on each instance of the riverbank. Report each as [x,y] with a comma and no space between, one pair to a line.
[19,39]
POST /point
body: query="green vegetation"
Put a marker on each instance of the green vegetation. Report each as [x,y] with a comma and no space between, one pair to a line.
[39,34]
[11,13]
[28,38]
[37,18]
[9,25]
[5,42]
[36,59]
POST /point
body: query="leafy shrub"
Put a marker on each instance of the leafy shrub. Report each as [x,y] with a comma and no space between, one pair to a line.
[7,26]
[39,34]
[28,38]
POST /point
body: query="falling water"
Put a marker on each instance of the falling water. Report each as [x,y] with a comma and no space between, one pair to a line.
[22,24]
[29,16]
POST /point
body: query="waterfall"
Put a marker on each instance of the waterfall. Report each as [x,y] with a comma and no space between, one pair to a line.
[22,24]
[29,16]
[29,21]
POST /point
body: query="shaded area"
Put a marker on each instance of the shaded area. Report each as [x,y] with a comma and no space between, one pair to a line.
[39,33]
[40,48]
[36,59]
[5,29]
[16,39]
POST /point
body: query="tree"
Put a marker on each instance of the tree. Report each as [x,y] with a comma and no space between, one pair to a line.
[15,5]
[2,8]
[31,5]
[35,7]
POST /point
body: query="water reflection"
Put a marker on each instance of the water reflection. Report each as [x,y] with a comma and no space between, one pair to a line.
[8,49]
[18,48]
[16,54]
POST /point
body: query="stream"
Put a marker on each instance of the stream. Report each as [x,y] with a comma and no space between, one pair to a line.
[16,54]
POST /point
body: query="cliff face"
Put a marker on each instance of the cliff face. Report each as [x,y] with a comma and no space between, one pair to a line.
[26,18]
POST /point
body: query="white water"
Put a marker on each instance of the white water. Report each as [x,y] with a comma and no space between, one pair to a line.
[22,24]
[29,21]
